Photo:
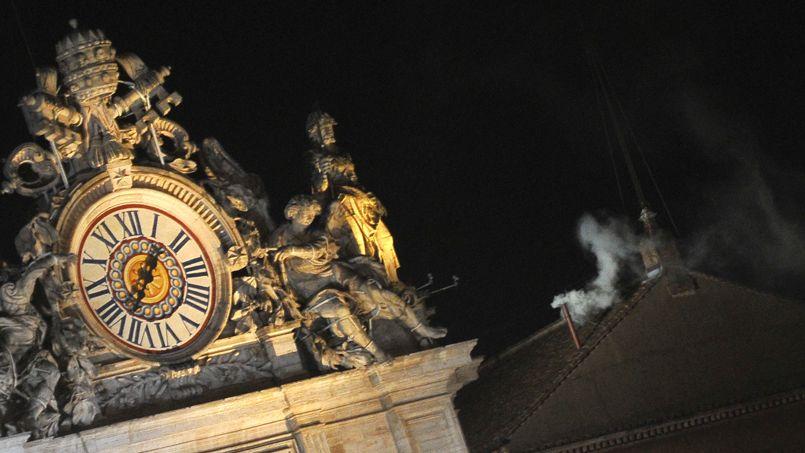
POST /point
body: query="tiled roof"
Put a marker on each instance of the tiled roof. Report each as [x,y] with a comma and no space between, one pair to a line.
[650,358]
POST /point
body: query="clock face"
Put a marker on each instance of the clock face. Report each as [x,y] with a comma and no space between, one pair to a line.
[146,278]
[151,279]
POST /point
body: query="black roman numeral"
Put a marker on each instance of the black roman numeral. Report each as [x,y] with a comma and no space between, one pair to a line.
[161,336]
[108,242]
[179,241]
[95,284]
[88,259]
[134,331]
[122,325]
[187,321]
[194,268]
[170,332]
[133,226]
[197,297]
[147,335]
[164,336]
[109,312]
[154,226]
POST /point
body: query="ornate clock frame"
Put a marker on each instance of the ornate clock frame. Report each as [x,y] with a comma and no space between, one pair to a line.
[219,235]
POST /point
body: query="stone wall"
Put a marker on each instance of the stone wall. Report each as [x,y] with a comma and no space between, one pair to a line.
[405,406]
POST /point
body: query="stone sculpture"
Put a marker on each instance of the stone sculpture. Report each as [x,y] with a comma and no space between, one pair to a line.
[30,374]
[72,343]
[346,294]
[86,124]
[242,194]
[331,269]
[93,121]
[353,217]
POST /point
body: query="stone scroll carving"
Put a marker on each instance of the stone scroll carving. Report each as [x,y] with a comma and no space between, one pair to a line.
[30,171]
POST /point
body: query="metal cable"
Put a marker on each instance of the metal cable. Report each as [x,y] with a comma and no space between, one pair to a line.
[608,138]
[619,135]
[22,33]
[651,177]
[639,149]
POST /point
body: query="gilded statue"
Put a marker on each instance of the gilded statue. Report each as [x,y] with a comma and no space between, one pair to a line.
[345,293]
[353,216]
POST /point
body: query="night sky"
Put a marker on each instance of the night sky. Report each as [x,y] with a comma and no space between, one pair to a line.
[477,126]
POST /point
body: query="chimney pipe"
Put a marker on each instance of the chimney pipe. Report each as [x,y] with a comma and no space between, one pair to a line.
[570,326]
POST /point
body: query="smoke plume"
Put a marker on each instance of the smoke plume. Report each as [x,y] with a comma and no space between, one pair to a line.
[753,229]
[615,248]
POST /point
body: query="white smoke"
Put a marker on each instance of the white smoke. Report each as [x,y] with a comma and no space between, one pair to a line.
[614,246]
[752,225]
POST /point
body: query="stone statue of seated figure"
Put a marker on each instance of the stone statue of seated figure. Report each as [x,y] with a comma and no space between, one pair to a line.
[347,293]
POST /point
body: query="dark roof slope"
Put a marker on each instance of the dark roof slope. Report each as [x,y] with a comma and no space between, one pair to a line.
[650,359]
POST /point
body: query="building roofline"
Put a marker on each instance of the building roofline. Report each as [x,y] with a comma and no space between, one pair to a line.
[697,420]
[599,332]
[593,339]
[495,359]
[746,288]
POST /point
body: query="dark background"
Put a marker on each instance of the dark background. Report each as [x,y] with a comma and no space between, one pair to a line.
[477,126]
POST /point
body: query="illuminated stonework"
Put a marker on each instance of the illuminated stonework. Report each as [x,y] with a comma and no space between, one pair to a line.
[167,284]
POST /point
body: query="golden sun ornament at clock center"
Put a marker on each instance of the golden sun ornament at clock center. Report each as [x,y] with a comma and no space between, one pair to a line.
[156,289]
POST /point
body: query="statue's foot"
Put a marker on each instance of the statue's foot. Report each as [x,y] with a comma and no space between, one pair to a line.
[430,332]
[358,359]
[387,363]
[381,357]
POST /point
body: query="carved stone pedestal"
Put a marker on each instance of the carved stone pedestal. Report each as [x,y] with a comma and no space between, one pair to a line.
[405,406]
[282,352]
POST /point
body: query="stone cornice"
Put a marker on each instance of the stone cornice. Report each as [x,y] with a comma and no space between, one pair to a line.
[281,414]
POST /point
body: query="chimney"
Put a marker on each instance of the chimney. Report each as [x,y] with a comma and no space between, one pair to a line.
[570,326]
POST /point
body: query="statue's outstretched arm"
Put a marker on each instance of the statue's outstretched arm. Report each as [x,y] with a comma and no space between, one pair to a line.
[320,249]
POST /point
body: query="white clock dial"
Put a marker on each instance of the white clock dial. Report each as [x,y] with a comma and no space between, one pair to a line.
[146,278]
[152,277]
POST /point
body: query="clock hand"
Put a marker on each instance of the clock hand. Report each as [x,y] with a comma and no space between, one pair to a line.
[145,275]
